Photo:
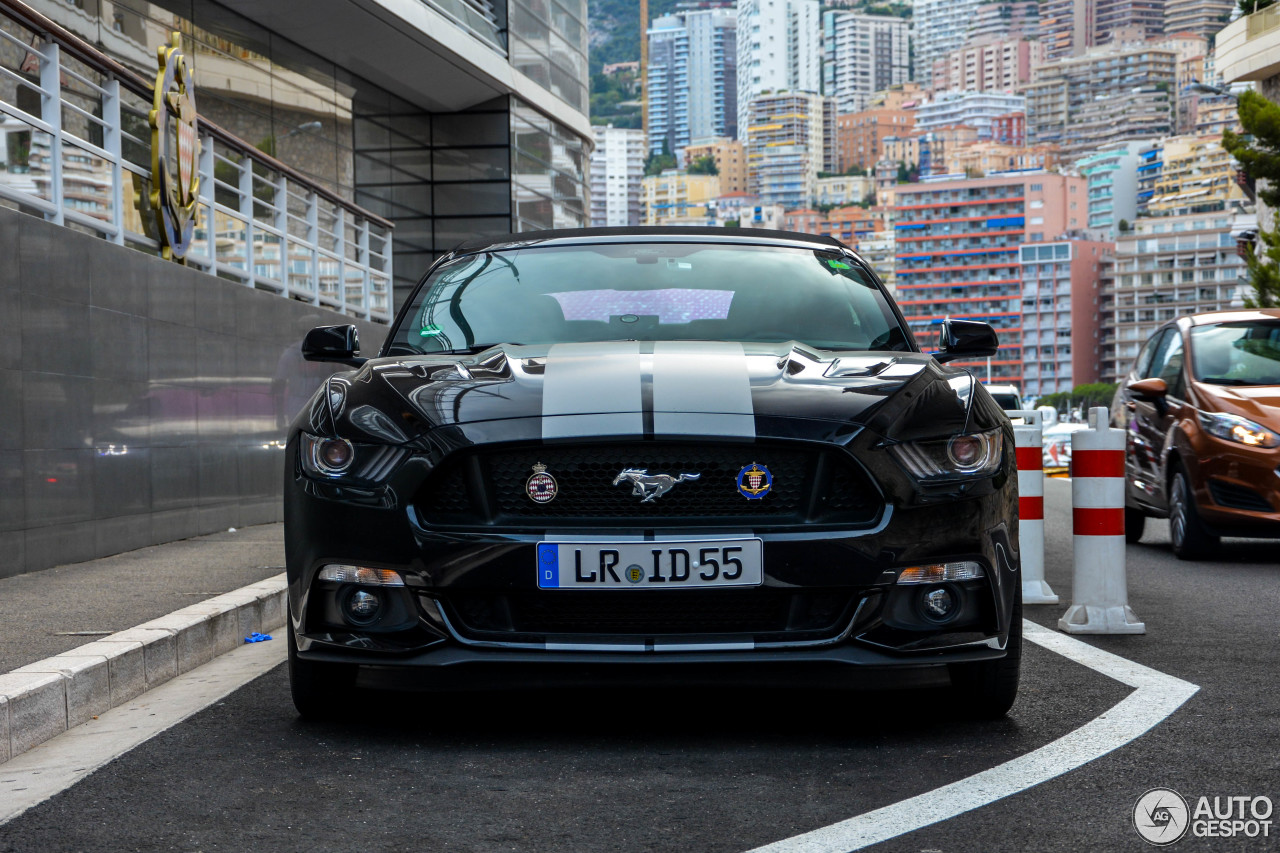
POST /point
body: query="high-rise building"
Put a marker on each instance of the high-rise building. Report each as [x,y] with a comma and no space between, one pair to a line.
[958,251]
[1167,267]
[1198,174]
[997,65]
[940,27]
[779,49]
[1112,176]
[617,167]
[1061,284]
[1109,94]
[1202,17]
[1114,20]
[862,55]
[975,109]
[1066,28]
[1003,20]
[786,146]
[692,80]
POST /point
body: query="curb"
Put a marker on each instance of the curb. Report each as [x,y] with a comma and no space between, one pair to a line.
[44,699]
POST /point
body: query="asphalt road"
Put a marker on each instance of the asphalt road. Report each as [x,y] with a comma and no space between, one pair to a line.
[713,771]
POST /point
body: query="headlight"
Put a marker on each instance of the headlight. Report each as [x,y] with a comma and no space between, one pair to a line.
[1238,429]
[336,458]
[973,455]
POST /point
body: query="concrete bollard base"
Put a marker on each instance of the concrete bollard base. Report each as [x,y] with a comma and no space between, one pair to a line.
[1038,592]
[1090,619]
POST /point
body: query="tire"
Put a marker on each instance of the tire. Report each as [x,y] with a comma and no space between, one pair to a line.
[986,690]
[1135,521]
[321,691]
[1191,541]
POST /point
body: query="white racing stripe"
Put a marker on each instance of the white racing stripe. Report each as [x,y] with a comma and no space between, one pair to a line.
[1155,697]
[592,389]
[702,389]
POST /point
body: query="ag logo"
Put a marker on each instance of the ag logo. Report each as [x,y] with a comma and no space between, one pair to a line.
[175,150]
[1161,816]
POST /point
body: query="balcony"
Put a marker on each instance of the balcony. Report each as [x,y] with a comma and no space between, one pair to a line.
[1249,47]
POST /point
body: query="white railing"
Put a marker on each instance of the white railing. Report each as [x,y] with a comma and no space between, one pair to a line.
[83,160]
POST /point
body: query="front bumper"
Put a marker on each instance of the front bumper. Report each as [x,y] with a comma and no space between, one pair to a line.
[874,632]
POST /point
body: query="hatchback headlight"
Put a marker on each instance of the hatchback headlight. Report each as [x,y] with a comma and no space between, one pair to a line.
[1238,429]
[971,455]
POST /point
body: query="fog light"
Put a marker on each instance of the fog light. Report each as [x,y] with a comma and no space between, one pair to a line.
[965,570]
[939,603]
[362,607]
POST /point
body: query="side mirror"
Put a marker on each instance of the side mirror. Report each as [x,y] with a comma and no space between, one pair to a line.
[1150,390]
[966,339]
[333,343]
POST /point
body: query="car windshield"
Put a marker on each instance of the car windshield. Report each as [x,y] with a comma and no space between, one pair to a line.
[1245,353]
[648,292]
[1005,400]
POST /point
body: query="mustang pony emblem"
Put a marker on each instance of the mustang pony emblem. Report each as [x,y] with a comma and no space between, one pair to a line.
[648,486]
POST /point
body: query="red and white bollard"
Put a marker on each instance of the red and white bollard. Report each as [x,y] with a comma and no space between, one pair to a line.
[1099,591]
[1028,441]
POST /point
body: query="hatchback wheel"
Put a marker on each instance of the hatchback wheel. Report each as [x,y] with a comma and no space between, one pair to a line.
[1190,539]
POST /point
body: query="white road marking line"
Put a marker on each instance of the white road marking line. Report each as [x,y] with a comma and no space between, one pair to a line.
[57,764]
[1155,697]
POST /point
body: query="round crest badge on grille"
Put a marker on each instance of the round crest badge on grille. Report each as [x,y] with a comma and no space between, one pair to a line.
[541,487]
[754,481]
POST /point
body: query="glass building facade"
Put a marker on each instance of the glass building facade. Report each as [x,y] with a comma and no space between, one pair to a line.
[441,177]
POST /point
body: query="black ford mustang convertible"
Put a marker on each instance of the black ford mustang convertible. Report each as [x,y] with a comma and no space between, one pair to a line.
[651,455]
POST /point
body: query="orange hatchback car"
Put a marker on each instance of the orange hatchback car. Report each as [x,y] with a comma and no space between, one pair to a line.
[1202,411]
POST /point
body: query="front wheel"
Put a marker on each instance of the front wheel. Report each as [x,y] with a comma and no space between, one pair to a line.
[1191,541]
[986,690]
[321,691]
[1135,521]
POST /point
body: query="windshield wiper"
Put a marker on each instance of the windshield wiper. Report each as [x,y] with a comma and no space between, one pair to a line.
[472,350]
[1222,380]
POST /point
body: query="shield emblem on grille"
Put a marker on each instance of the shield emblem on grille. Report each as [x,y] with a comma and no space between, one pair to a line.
[754,481]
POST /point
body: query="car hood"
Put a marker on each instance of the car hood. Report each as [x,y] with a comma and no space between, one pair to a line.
[1260,403]
[681,388]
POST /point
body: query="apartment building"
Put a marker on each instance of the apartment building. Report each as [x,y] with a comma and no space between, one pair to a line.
[958,247]
[787,146]
[862,55]
[779,49]
[1112,177]
[978,110]
[1167,267]
[1000,65]
[730,157]
[1062,281]
[617,167]
[692,81]
[860,136]
[676,197]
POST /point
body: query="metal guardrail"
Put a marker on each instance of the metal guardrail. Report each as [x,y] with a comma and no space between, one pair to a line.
[82,158]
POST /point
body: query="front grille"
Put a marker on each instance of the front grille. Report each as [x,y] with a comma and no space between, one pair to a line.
[1237,497]
[651,613]
[483,486]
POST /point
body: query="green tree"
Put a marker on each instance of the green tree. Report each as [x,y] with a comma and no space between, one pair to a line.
[1082,396]
[1124,226]
[704,166]
[1248,7]
[660,162]
[1258,152]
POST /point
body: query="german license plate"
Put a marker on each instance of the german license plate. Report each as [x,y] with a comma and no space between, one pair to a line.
[650,565]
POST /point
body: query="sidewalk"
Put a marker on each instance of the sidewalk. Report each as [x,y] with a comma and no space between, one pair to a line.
[41,611]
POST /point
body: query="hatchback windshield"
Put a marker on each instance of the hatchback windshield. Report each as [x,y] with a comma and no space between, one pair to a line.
[648,292]
[1237,353]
